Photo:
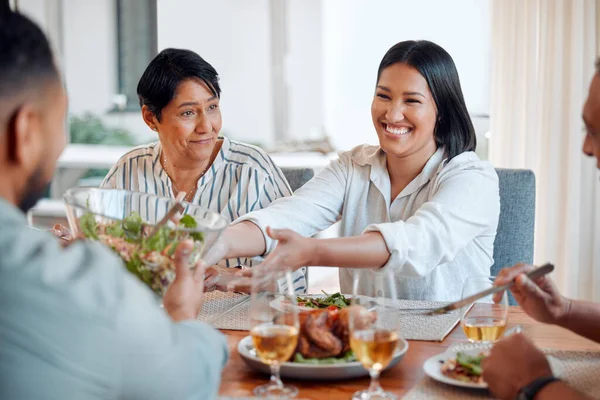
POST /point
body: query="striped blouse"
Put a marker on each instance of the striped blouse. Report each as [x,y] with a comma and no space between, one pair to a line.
[242,178]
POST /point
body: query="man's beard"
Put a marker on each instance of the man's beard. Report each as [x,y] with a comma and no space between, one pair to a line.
[35,189]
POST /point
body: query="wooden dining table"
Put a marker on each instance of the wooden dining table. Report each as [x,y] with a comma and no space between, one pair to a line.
[238,379]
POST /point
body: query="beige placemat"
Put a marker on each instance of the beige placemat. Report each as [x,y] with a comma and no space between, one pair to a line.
[225,310]
[230,311]
[414,325]
[578,368]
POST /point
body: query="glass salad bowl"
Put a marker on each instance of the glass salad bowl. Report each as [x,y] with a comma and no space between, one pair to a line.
[124,220]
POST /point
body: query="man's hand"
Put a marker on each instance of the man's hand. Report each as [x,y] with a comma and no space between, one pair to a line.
[62,233]
[539,298]
[513,363]
[183,298]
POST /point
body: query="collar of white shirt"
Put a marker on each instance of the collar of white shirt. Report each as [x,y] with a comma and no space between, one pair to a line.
[375,157]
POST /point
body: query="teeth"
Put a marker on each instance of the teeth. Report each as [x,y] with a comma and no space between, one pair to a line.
[397,131]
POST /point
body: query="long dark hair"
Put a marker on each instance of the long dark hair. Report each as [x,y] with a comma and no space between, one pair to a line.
[453,128]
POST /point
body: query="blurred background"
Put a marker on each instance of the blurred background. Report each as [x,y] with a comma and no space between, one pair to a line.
[290,69]
[298,78]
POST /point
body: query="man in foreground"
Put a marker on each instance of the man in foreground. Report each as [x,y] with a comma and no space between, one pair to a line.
[74,324]
[515,367]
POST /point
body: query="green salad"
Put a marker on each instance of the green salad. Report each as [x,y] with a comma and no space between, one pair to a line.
[346,358]
[150,258]
[470,363]
[334,301]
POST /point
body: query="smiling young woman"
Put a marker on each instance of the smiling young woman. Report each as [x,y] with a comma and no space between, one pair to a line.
[420,203]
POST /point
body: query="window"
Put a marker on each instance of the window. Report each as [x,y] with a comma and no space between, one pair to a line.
[136,46]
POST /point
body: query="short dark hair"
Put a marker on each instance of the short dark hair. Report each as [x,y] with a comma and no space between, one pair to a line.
[166,71]
[453,128]
[26,61]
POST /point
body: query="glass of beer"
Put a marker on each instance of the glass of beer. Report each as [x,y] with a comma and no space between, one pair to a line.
[274,326]
[484,321]
[374,323]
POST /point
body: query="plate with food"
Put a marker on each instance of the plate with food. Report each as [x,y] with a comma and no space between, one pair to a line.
[323,350]
[463,367]
[325,301]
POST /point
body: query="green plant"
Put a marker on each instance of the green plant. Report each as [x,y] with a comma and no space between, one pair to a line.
[89,129]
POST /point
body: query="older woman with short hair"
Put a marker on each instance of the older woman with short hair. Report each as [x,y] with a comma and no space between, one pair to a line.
[179,94]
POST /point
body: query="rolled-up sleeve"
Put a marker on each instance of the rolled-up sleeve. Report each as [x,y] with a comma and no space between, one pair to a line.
[312,208]
[465,205]
[165,360]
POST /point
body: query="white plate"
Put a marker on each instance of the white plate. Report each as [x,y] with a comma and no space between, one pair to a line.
[313,372]
[433,366]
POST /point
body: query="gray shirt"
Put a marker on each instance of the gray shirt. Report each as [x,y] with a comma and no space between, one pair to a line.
[74,324]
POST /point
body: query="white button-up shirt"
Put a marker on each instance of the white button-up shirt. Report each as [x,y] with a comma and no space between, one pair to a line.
[439,230]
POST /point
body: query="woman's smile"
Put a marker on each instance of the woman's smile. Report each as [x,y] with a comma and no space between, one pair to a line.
[396,131]
[202,141]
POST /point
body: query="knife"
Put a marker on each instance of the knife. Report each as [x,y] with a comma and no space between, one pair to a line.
[536,273]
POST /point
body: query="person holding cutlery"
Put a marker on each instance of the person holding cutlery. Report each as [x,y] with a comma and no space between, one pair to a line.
[420,203]
[515,367]
[180,96]
[74,324]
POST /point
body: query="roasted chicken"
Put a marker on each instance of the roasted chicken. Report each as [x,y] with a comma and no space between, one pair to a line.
[326,333]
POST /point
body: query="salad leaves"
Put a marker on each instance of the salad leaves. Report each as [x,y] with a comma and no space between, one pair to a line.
[346,358]
[189,222]
[89,226]
[470,363]
[147,257]
[337,300]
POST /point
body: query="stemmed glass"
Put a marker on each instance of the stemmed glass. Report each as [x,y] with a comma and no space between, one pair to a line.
[374,332]
[274,326]
[485,320]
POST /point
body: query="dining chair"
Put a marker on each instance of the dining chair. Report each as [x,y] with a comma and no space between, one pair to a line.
[297,177]
[514,237]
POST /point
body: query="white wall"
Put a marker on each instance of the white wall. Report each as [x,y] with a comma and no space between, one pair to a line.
[357,33]
[333,50]
[233,36]
[89,38]
[305,69]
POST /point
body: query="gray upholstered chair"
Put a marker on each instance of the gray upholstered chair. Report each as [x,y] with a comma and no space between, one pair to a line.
[514,239]
[297,177]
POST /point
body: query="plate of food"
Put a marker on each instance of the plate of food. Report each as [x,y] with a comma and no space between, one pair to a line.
[325,301]
[463,367]
[323,351]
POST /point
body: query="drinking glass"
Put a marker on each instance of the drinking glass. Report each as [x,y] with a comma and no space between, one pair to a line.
[274,326]
[374,331]
[483,321]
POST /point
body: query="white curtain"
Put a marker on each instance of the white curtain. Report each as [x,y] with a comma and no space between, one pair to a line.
[543,54]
